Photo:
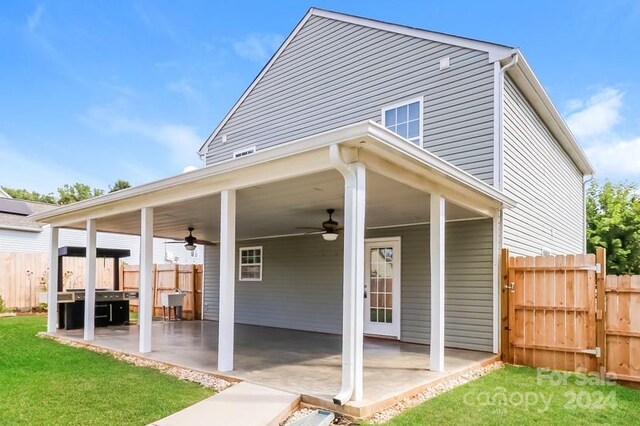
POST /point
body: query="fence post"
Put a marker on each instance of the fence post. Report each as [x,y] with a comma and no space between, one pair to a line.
[194,276]
[601,337]
[155,288]
[504,306]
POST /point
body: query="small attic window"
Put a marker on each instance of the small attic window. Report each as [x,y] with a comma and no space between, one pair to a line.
[244,152]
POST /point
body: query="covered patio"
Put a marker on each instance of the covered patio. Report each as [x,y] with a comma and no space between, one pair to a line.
[380,185]
[300,362]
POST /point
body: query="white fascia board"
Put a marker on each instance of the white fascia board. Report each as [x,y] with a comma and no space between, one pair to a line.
[261,157]
[278,162]
[437,164]
[528,83]
[495,51]
[20,228]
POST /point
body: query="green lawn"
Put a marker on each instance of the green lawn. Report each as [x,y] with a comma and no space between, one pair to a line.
[44,382]
[520,396]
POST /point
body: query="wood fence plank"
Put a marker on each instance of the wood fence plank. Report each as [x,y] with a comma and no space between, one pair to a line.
[624,322]
[601,337]
[634,327]
[581,317]
[592,361]
[523,324]
[571,316]
[504,306]
[560,316]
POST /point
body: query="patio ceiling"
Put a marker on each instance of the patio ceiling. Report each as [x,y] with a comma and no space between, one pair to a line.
[279,208]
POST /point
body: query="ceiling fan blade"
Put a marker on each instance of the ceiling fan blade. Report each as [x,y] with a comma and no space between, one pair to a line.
[205,242]
[310,228]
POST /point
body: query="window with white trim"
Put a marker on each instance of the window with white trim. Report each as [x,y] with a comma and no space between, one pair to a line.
[250,264]
[405,119]
[244,152]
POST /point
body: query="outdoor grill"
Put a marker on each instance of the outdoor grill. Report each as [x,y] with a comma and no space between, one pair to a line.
[111,307]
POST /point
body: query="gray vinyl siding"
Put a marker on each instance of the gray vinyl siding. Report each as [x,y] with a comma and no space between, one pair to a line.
[543,180]
[302,276]
[335,73]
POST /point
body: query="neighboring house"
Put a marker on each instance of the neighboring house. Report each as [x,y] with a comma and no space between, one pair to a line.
[21,234]
[436,151]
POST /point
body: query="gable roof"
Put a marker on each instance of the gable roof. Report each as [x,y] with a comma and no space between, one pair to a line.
[533,90]
[495,51]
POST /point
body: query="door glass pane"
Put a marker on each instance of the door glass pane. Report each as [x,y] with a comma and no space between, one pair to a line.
[381,284]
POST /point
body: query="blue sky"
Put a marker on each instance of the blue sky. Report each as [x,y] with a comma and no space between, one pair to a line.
[98,91]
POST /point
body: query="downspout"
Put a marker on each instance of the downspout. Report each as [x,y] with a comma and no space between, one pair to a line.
[498,220]
[586,179]
[349,278]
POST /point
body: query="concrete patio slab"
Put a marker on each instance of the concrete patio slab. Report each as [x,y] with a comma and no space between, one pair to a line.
[243,404]
[299,362]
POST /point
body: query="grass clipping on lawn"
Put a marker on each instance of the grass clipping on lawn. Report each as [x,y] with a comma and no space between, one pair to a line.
[44,382]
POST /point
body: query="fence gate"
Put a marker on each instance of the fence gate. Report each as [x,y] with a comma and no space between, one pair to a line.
[549,311]
[622,315]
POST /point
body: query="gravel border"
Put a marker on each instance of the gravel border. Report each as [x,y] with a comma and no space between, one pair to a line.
[388,413]
[440,388]
[203,379]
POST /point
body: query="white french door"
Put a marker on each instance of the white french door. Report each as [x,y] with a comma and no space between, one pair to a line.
[382,287]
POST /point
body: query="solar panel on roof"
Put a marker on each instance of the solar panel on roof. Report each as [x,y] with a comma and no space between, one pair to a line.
[11,206]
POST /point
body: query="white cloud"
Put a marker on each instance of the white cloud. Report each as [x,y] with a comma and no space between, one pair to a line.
[598,115]
[181,141]
[597,122]
[619,159]
[258,47]
[33,20]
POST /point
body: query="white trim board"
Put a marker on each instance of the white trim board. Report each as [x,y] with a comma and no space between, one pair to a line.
[381,149]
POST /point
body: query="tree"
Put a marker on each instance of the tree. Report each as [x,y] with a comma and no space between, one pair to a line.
[23,194]
[118,185]
[77,192]
[613,222]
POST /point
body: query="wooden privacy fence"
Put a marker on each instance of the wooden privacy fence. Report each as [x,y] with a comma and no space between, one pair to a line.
[565,313]
[166,279]
[24,275]
[622,319]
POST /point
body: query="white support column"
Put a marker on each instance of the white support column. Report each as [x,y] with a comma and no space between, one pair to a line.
[145,300]
[90,281]
[226,311]
[437,233]
[360,196]
[52,302]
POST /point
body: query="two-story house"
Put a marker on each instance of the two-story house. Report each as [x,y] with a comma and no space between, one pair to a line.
[431,151]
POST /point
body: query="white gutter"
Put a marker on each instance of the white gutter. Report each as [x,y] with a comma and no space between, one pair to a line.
[349,278]
[586,179]
[537,96]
